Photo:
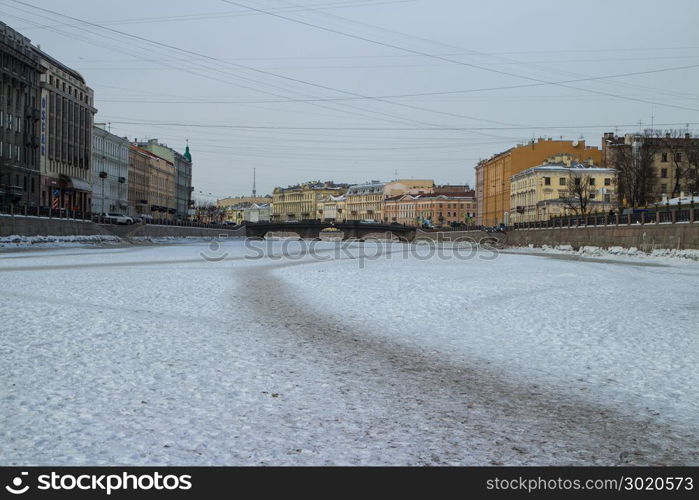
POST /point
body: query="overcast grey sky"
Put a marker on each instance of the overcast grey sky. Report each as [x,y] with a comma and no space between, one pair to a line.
[326,89]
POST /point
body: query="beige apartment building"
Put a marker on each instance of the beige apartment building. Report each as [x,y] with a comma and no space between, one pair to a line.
[151,184]
[542,192]
[365,201]
[300,202]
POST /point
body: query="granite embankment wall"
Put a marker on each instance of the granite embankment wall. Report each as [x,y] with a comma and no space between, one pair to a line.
[644,237]
[40,226]
[157,231]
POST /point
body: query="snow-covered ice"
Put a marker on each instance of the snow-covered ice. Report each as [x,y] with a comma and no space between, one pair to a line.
[155,355]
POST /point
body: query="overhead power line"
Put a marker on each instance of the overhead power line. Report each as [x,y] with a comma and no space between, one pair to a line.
[447,59]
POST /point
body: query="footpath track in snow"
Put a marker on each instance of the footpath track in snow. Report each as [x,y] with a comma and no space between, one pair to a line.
[441,412]
[155,356]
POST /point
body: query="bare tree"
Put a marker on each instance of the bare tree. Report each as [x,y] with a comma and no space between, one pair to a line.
[678,146]
[580,191]
[692,153]
[634,165]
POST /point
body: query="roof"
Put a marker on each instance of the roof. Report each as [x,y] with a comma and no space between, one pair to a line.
[562,167]
[148,153]
[59,64]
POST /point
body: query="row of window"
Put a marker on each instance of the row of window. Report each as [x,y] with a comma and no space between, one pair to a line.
[563,181]
[100,145]
[10,122]
[10,151]
[60,85]
[664,156]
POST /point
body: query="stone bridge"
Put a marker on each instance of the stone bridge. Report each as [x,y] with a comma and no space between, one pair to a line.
[312,229]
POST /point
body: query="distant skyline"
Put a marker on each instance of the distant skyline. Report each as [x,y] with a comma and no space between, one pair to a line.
[354,90]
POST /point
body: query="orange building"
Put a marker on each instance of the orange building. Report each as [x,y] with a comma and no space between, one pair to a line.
[493,175]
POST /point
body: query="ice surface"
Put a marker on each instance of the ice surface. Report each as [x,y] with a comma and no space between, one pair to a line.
[155,355]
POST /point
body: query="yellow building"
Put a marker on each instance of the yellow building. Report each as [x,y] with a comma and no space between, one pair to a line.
[332,208]
[365,201]
[544,191]
[493,192]
[300,202]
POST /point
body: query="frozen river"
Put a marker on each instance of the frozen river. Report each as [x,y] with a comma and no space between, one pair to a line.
[155,355]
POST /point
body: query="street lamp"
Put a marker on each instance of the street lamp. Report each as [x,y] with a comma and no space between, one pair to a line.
[103,175]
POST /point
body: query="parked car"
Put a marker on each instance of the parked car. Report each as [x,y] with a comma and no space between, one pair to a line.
[117,218]
[368,221]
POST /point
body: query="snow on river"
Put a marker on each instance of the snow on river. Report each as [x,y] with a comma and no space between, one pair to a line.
[154,355]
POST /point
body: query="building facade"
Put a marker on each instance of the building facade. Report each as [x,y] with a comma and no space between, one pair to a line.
[432,209]
[151,185]
[258,213]
[110,171]
[669,162]
[137,178]
[400,209]
[445,209]
[493,175]
[365,201]
[332,208]
[300,202]
[19,119]
[182,163]
[542,192]
[67,114]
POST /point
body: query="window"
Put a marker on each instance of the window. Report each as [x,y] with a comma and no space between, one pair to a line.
[664,158]
[678,157]
[608,198]
[607,181]
[562,181]
[547,181]
[592,196]
[592,181]
[663,188]
[577,181]
[663,173]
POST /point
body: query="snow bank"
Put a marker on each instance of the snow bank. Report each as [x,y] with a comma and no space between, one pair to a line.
[18,241]
[618,251]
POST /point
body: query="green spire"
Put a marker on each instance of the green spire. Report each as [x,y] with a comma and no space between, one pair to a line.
[187,154]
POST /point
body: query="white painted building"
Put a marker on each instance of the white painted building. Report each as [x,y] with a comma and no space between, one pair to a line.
[110,170]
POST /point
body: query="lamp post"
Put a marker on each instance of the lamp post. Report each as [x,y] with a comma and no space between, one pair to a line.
[103,175]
